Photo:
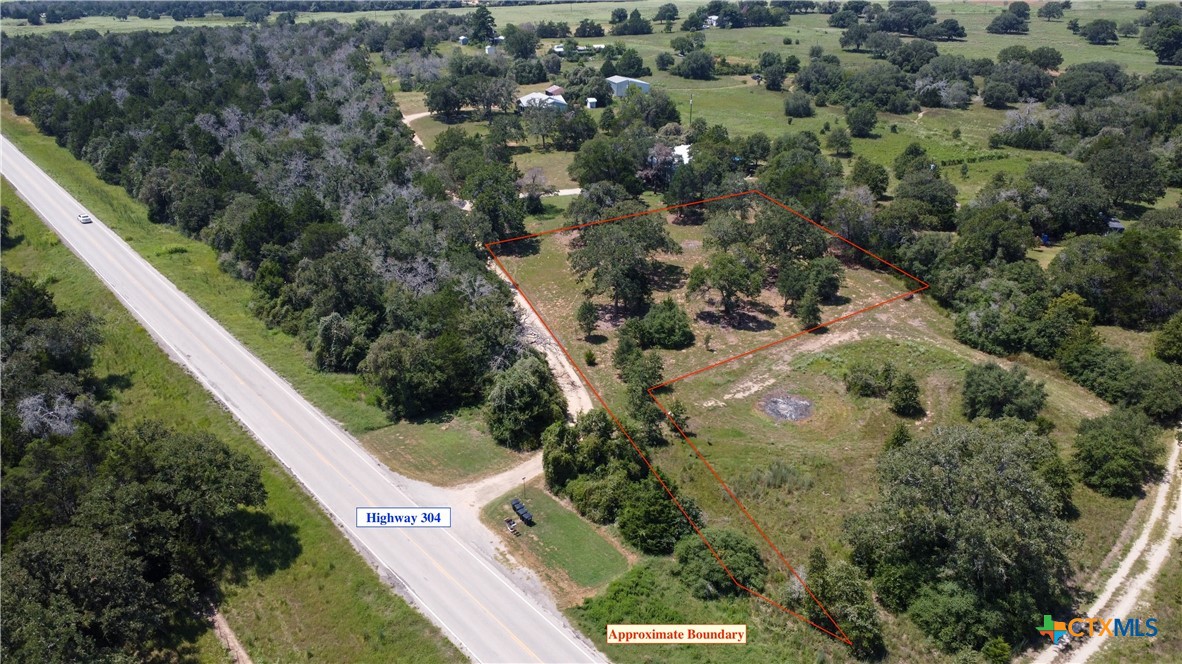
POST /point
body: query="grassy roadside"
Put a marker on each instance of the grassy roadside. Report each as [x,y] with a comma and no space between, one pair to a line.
[324,604]
[576,559]
[444,453]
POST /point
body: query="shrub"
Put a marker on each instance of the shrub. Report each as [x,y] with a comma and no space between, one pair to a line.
[698,569]
[1117,453]
[990,391]
[798,105]
[953,617]
[666,325]
[651,522]
[1167,343]
[863,380]
[905,397]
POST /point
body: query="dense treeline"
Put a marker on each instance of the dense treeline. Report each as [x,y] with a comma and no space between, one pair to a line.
[56,12]
[115,534]
[280,148]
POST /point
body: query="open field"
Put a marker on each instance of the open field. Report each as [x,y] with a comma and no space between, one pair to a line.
[810,29]
[577,559]
[311,596]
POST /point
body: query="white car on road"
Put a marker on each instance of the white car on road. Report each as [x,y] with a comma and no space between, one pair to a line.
[85,218]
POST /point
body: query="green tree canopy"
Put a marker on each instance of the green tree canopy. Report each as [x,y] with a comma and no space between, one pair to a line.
[524,400]
[1118,452]
[700,571]
[990,391]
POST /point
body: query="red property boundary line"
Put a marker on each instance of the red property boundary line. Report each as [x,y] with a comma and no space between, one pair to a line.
[839,634]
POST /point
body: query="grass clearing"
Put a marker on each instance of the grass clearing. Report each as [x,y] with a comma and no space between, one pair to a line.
[448,450]
[576,557]
[321,601]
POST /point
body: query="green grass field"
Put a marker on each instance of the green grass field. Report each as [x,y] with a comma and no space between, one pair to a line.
[322,602]
[455,450]
[568,546]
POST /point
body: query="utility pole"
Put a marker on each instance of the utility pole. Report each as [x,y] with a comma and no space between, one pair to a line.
[691,109]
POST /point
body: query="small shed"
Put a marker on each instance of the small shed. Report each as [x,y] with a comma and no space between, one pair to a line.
[463,40]
[555,90]
[598,47]
[620,85]
[592,102]
[682,152]
[559,49]
[490,49]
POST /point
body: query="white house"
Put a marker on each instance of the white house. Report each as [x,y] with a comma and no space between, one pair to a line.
[542,99]
[490,49]
[711,22]
[463,40]
[592,102]
[558,48]
[620,85]
[598,47]
[682,152]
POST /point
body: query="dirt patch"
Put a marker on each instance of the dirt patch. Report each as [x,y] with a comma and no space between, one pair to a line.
[749,387]
[784,407]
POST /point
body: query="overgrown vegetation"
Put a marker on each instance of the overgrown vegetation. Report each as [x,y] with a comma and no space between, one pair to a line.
[113,531]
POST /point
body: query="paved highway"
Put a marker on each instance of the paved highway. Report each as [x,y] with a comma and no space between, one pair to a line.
[445,573]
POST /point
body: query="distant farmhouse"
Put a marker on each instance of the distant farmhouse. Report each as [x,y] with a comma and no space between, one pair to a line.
[620,85]
[542,99]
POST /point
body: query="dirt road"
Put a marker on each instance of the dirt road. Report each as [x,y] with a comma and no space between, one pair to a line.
[1147,555]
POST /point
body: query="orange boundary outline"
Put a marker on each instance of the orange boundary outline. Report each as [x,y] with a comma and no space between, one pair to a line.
[840,634]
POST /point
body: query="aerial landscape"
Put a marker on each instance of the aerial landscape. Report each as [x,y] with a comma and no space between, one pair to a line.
[628,330]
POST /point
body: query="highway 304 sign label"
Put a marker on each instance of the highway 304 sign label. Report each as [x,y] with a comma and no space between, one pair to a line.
[404,517]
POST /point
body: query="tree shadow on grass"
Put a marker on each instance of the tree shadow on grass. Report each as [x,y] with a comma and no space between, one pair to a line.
[739,320]
[836,300]
[258,544]
[667,277]
[522,248]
